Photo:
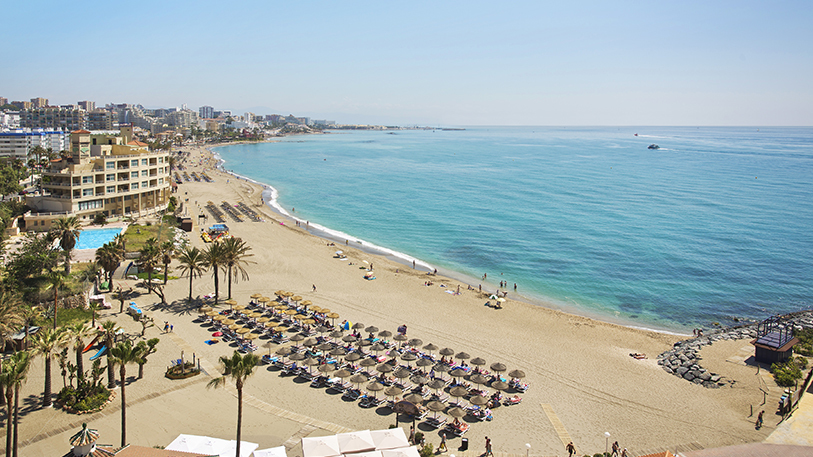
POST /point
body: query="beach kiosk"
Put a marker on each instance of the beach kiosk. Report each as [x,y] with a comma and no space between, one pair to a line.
[774,342]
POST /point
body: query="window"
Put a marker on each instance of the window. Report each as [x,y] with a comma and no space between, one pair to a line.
[134,174]
[110,190]
[145,173]
[93,204]
[143,162]
[127,197]
[111,165]
[160,180]
[87,192]
[160,160]
[134,185]
[111,177]
[144,184]
[87,179]
[134,163]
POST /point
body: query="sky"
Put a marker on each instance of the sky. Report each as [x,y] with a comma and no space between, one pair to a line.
[424,63]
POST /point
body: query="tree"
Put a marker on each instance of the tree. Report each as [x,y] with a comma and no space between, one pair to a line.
[91,273]
[12,377]
[108,332]
[147,348]
[122,354]
[235,251]
[78,333]
[121,295]
[149,259]
[166,252]
[238,368]
[56,279]
[66,230]
[93,307]
[11,318]
[214,260]
[109,257]
[46,341]
[192,263]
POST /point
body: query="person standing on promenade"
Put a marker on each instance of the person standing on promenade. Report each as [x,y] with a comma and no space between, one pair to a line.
[571,449]
[442,446]
[615,449]
[759,419]
[488,447]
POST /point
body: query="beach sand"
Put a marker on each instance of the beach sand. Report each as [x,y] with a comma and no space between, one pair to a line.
[583,381]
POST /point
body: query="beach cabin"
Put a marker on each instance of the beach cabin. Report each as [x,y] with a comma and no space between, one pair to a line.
[774,342]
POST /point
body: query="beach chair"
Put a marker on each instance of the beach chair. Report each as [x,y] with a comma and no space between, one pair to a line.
[305,374]
[352,394]
[319,382]
[515,400]
[435,422]
[268,360]
[457,430]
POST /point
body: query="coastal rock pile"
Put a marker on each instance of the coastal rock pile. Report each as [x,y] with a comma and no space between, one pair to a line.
[683,360]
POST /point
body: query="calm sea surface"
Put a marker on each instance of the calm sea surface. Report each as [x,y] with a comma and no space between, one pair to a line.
[715,225]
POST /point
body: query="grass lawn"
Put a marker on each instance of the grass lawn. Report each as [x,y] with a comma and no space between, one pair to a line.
[136,236]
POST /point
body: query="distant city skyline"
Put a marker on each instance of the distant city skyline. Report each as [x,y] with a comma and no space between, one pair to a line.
[473,63]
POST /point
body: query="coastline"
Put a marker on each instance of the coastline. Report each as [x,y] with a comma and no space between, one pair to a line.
[271,199]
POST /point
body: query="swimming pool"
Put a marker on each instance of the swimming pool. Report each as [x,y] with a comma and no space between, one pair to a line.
[95,238]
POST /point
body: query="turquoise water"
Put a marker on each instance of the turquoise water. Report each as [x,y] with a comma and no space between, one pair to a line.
[95,238]
[713,226]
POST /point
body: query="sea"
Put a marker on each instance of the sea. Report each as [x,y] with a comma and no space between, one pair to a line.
[713,228]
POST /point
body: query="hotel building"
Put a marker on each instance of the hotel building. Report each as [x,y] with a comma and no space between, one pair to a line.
[108,174]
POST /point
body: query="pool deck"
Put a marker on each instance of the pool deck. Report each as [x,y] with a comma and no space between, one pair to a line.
[86,255]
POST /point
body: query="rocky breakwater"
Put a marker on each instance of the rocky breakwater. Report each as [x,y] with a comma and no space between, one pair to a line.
[683,360]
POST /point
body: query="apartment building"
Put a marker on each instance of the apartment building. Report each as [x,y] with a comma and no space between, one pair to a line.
[53,118]
[17,144]
[106,173]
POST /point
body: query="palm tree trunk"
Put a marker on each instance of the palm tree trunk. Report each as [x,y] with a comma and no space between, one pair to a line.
[56,304]
[190,286]
[123,373]
[16,416]
[149,281]
[166,272]
[80,363]
[111,374]
[217,289]
[229,281]
[239,415]
[46,396]
[140,371]
[68,262]
[9,398]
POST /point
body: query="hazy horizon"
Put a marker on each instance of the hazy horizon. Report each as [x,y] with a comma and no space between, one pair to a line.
[452,64]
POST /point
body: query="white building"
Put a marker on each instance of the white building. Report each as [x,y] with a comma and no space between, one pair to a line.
[18,143]
[9,120]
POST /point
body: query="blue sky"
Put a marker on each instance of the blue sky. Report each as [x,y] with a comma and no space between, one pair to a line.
[427,63]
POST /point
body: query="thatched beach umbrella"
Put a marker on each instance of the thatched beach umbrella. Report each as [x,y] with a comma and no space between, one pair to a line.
[377,347]
[338,352]
[441,368]
[499,385]
[324,346]
[409,357]
[462,356]
[352,357]
[263,320]
[393,391]
[343,373]
[478,400]
[385,334]
[457,412]
[283,351]
[291,312]
[371,329]
[367,362]
[358,378]
[251,336]
[436,384]
[297,337]
[402,373]
[310,342]
[458,373]
[228,321]
[256,296]
[478,361]
[243,330]
[349,338]
[297,356]
[419,379]
[498,367]
[519,374]
[336,334]
[322,329]
[374,387]
[415,342]
[327,367]
[400,337]
[435,406]
[306,303]
[271,324]
[235,327]
[422,362]
[219,318]
[324,311]
[478,379]
[430,348]
[446,351]
[296,298]
[357,326]
[384,368]
[414,398]
[364,343]
[205,309]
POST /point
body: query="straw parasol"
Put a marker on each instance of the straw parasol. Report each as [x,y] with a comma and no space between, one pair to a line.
[287,294]
[384,367]
[358,378]
[462,356]
[375,386]
[446,351]
[281,328]
[478,379]
[517,374]
[400,337]
[326,367]
[297,356]
[210,313]
[331,315]
[364,343]
[279,292]
[251,336]
[352,357]
[230,301]
[371,329]
[305,303]
[298,337]
[228,321]
[336,334]
[235,326]
[435,406]
[419,379]
[219,317]
[498,367]
[414,398]
[338,351]
[415,342]
[458,391]
[478,400]
[308,320]
[310,342]
[368,362]
[343,373]
[436,384]
[323,310]
[205,309]
[478,361]
[430,347]
[280,306]
[441,368]
[255,314]
[424,362]
[409,357]
[499,385]
[263,320]
[385,334]
[296,298]
[243,330]
[458,373]
[393,391]
[401,373]
[271,324]
[349,338]
[283,351]
[311,361]
[457,412]
[256,296]
[324,346]
[377,347]
[357,326]
[290,312]
[322,329]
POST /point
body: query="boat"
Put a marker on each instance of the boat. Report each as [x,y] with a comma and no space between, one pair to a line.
[653,146]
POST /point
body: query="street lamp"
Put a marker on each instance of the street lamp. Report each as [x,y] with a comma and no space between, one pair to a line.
[528,449]
[606,442]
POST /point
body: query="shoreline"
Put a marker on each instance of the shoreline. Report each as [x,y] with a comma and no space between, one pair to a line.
[271,196]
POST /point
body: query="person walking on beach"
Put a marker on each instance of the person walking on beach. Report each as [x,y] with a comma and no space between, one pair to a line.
[488,447]
[571,449]
[442,447]
[615,449]
[759,419]
[314,287]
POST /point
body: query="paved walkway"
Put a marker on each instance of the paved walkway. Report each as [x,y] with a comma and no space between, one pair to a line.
[798,428]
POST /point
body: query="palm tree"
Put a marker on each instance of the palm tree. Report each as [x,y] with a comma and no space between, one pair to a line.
[147,348]
[149,258]
[46,342]
[93,307]
[11,317]
[56,279]
[122,354]
[108,332]
[192,262]
[109,257]
[12,377]
[166,252]
[91,273]
[238,368]
[235,253]
[213,258]
[78,333]
[66,230]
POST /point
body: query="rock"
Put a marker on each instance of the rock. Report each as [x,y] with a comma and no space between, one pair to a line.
[714,378]
[705,376]
[697,381]
[681,371]
[688,376]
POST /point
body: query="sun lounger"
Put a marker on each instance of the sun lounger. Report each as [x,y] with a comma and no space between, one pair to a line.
[457,430]
[319,382]
[305,374]
[435,422]
[515,400]
[338,385]
[352,394]
[269,360]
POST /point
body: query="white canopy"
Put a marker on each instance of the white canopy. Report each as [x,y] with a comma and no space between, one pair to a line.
[271,452]
[411,451]
[320,446]
[210,446]
[365,454]
[390,438]
[355,442]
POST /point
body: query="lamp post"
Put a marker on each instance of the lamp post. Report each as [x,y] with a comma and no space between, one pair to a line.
[527,449]
[606,442]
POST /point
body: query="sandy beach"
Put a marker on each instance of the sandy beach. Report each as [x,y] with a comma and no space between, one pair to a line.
[583,381]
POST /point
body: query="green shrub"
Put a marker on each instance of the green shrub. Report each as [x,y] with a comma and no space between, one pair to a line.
[786,374]
[427,451]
